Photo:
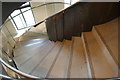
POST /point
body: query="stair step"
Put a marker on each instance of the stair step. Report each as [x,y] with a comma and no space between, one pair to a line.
[28,47]
[27,54]
[91,56]
[101,66]
[25,42]
[36,59]
[108,33]
[61,66]
[30,36]
[78,62]
[102,43]
[45,66]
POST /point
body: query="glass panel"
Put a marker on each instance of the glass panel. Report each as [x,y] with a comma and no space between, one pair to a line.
[58,7]
[11,28]
[5,57]
[7,37]
[14,24]
[15,13]
[10,72]
[40,13]
[50,9]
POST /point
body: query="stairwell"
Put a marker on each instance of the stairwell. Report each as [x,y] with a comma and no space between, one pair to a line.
[81,42]
[93,55]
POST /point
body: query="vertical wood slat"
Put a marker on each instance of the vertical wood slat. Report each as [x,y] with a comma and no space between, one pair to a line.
[77,21]
[68,23]
[59,26]
[51,29]
[86,18]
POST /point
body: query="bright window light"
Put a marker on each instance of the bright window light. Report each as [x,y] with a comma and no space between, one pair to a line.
[28,17]
[66,5]
[23,18]
[20,23]
[16,12]
[27,3]
[74,1]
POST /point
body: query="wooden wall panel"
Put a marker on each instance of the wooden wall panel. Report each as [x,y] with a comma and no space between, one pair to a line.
[81,17]
[77,24]
[59,26]
[68,23]
[87,18]
[51,29]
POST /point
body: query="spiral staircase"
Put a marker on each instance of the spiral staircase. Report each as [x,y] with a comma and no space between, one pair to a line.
[81,46]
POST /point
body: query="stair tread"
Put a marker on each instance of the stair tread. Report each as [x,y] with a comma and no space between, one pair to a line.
[44,67]
[28,47]
[29,53]
[111,40]
[36,59]
[61,65]
[101,66]
[78,62]
[25,42]
[32,36]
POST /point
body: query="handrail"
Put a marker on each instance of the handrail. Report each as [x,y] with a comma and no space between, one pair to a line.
[6,77]
[39,23]
[19,72]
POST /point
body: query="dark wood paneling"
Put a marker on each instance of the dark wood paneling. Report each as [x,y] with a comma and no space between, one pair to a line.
[59,26]
[101,12]
[77,28]
[81,17]
[87,18]
[68,23]
[51,29]
[84,16]
[112,12]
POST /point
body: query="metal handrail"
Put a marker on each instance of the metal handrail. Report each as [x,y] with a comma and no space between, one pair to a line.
[19,72]
[6,77]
